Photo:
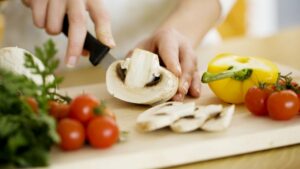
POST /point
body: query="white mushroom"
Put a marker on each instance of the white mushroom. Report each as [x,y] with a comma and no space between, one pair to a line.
[13,59]
[205,112]
[221,121]
[140,79]
[200,115]
[164,115]
[187,124]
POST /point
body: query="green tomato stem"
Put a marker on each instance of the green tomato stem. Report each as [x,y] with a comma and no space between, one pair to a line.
[237,74]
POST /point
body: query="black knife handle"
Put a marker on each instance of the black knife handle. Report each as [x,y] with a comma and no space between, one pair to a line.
[96,49]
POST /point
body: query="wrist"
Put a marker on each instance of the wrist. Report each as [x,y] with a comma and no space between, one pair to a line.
[193,18]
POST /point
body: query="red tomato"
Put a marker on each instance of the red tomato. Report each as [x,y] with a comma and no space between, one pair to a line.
[283,105]
[256,100]
[71,133]
[59,110]
[102,132]
[299,101]
[82,107]
[294,84]
[33,104]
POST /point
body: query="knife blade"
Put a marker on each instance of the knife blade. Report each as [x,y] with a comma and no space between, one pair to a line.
[99,53]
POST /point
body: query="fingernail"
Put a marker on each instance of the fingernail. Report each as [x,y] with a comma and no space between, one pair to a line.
[198,90]
[71,61]
[110,42]
[181,97]
[185,87]
[178,97]
[178,69]
[106,36]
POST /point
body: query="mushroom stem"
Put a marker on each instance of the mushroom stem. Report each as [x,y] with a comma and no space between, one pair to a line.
[142,69]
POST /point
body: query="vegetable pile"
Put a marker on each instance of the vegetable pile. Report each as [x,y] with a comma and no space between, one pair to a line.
[27,131]
[280,101]
[256,82]
[34,117]
[85,119]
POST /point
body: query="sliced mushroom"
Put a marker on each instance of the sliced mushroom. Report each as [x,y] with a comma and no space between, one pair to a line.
[191,123]
[187,124]
[163,115]
[140,79]
[13,59]
[221,121]
[208,111]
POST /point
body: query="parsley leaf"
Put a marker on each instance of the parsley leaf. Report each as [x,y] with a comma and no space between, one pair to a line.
[26,137]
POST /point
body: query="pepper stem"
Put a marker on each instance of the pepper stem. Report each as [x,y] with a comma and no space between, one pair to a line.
[237,74]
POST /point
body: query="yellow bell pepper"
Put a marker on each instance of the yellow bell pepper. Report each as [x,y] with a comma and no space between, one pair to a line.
[230,76]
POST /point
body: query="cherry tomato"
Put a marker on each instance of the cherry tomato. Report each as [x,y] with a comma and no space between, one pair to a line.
[58,110]
[283,105]
[256,100]
[71,133]
[33,104]
[299,101]
[102,132]
[82,107]
[294,84]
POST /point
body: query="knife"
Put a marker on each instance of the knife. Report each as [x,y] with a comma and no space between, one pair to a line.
[99,53]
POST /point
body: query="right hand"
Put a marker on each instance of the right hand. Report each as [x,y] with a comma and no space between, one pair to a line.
[49,15]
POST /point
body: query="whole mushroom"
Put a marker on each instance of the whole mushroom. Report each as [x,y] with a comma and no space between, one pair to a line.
[140,79]
[13,58]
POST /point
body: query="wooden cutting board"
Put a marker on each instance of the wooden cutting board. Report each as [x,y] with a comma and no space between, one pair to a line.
[164,148]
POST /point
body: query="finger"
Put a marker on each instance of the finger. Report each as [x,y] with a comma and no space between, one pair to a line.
[195,87]
[178,97]
[77,31]
[102,22]
[55,15]
[168,52]
[188,65]
[39,9]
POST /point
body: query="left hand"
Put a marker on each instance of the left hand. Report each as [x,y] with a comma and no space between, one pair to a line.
[178,55]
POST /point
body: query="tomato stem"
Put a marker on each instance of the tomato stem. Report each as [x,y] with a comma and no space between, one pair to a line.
[237,74]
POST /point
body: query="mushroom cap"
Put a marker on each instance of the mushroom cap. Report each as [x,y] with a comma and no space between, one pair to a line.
[13,59]
[163,91]
[163,115]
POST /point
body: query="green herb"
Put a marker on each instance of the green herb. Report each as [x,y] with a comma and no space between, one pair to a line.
[47,57]
[27,136]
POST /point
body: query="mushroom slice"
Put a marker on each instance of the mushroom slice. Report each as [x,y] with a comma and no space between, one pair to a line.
[187,124]
[205,112]
[191,123]
[140,79]
[164,115]
[221,121]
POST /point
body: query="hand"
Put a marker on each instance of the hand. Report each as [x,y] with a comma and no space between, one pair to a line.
[178,55]
[49,15]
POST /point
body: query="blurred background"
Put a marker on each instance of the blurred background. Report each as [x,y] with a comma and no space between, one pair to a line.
[261,18]
[248,18]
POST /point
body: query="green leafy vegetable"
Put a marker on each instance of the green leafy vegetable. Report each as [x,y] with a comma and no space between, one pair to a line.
[27,136]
